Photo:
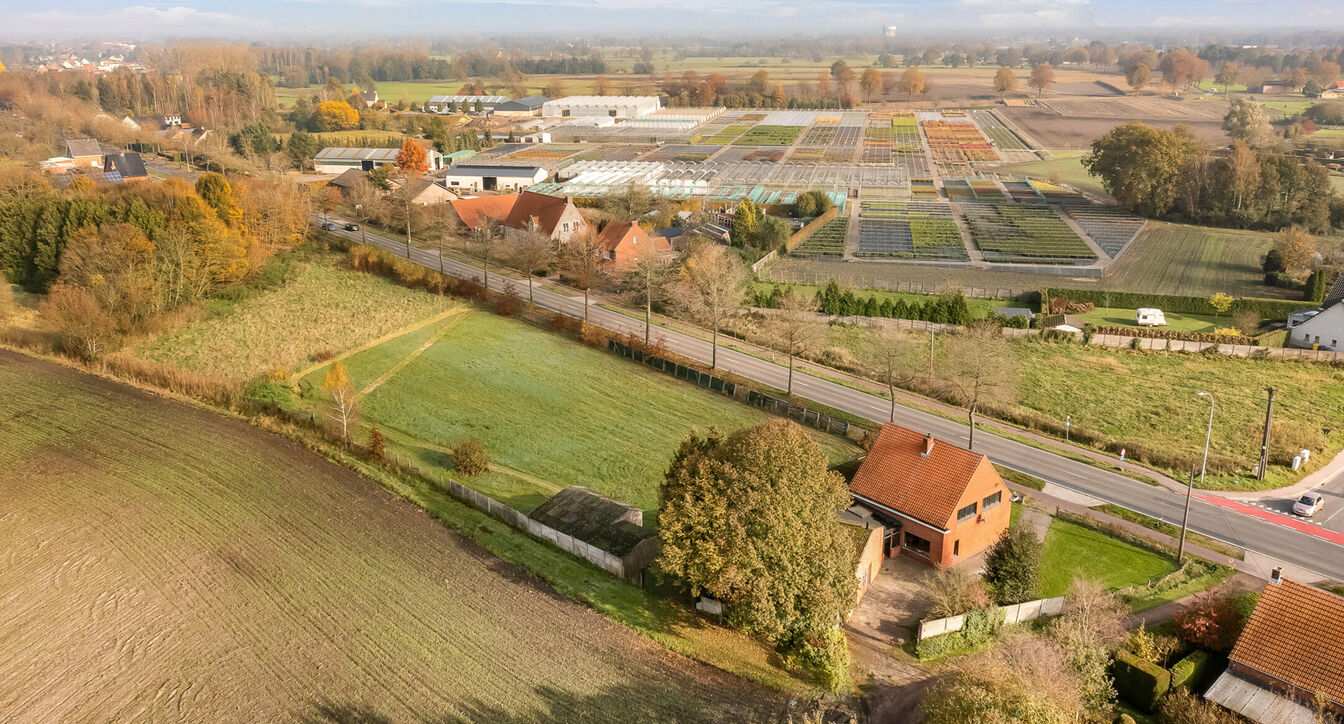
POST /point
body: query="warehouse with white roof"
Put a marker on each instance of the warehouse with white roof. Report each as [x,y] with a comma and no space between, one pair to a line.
[340,160]
[608,106]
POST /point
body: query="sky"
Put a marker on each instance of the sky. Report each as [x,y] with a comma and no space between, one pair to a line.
[344,20]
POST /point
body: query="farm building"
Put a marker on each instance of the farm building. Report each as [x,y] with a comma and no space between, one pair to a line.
[1325,329]
[554,216]
[84,153]
[938,502]
[426,191]
[470,177]
[521,107]
[624,244]
[339,160]
[449,104]
[600,522]
[611,106]
[1291,651]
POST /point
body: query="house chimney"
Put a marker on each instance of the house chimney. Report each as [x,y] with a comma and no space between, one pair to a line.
[1276,575]
[928,444]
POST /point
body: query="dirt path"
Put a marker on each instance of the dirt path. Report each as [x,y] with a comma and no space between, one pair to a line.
[411,357]
[294,378]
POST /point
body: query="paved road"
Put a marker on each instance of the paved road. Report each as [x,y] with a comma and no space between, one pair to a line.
[1254,533]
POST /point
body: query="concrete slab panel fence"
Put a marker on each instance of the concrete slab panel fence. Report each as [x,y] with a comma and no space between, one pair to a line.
[1016,613]
[628,568]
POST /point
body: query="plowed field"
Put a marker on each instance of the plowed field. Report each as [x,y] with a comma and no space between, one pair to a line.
[164,563]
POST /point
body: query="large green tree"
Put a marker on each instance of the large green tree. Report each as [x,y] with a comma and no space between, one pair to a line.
[1141,166]
[750,519]
[1013,565]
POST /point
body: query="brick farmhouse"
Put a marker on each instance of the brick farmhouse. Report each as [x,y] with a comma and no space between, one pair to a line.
[938,502]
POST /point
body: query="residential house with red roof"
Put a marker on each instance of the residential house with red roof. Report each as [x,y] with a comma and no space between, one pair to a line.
[624,243]
[1290,652]
[939,503]
[554,216]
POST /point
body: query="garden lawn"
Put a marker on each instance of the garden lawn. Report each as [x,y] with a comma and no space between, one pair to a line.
[322,308]
[1076,551]
[549,411]
[1175,322]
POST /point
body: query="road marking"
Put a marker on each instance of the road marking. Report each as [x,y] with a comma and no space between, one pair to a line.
[1313,529]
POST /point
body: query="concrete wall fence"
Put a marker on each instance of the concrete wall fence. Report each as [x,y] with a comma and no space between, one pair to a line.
[628,568]
[1016,613]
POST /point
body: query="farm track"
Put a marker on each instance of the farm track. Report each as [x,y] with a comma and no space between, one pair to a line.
[415,327]
[163,563]
[399,366]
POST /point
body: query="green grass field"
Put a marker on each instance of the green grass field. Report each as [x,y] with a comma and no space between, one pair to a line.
[1289,108]
[1076,551]
[323,308]
[553,412]
[167,563]
[1146,400]
[1195,261]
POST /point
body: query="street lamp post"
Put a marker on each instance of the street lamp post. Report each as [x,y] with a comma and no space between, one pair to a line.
[363,235]
[1203,466]
[1068,423]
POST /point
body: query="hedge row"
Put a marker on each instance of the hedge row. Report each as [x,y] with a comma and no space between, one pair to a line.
[1195,670]
[1139,682]
[1151,333]
[1266,308]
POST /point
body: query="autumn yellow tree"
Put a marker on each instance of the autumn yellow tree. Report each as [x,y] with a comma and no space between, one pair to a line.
[870,82]
[342,408]
[335,116]
[412,160]
[1297,250]
[912,81]
[1004,81]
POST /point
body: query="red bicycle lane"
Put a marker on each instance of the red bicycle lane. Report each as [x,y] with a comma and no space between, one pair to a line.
[1296,524]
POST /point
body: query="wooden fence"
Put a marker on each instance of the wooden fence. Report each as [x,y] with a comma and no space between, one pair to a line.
[1016,613]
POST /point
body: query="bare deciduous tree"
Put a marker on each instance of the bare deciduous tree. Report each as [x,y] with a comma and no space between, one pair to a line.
[981,368]
[483,239]
[531,251]
[581,263]
[793,327]
[891,359]
[647,282]
[712,285]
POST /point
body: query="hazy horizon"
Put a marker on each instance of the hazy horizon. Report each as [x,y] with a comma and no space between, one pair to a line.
[354,20]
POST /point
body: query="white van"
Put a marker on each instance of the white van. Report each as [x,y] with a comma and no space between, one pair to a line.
[1149,317]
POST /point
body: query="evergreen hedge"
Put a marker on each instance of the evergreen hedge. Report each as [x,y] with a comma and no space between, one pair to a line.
[1139,682]
[1269,309]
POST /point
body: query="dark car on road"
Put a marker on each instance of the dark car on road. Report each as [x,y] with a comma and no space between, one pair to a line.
[329,226]
[352,226]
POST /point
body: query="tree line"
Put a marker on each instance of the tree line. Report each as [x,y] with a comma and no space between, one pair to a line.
[112,258]
[1156,172]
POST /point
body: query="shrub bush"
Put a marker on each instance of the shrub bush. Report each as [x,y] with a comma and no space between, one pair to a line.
[1139,682]
[469,458]
[377,447]
[978,628]
[825,657]
[1193,671]
[1150,333]
[1012,566]
[1214,620]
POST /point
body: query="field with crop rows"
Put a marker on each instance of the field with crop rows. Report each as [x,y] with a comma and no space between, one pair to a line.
[503,381]
[828,241]
[1195,261]
[915,229]
[1016,233]
[764,135]
[165,563]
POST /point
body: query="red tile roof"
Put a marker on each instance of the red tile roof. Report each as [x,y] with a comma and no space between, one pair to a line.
[616,231]
[1296,634]
[473,211]
[545,209]
[898,475]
